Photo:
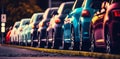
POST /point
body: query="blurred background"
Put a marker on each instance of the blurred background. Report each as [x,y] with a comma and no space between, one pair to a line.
[18,9]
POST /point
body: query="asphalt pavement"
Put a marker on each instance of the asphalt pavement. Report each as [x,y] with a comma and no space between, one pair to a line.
[7,52]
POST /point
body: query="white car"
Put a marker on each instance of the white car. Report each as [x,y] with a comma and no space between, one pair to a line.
[13,32]
[29,29]
[19,37]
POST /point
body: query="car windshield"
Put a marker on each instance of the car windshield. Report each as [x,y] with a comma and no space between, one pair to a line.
[61,8]
[38,18]
[24,22]
[96,4]
[33,18]
[77,4]
[83,4]
[113,1]
[17,25]
[46,13]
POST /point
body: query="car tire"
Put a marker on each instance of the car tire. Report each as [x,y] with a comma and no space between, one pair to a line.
[92,39]
[48,44]
[107,41]
[55,42]
[66,46]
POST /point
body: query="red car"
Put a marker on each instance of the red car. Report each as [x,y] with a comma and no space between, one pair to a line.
[105,30]
[111,27]
[96,29]
[7,38]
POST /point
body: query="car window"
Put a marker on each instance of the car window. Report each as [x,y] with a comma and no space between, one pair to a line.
[38,18]
[24,22]
[83,4]
[77,4]
[46,13]
[113,1]
[96,4]
[60,8]
[65,6]
[32,18]
[17,25]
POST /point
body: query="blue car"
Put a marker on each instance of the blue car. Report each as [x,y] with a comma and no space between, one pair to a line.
[76,25]
[89,8]
[71,25]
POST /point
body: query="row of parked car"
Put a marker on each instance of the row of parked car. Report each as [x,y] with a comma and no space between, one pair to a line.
[90,25]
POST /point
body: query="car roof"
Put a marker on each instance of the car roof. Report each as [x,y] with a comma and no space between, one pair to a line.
[48,11]
[65,5]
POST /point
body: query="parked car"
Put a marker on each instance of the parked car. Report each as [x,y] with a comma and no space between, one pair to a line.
[13,32]
[7,38]
[30,30]
[71,25]
[40,38]
[19,37]
[111,26]
[88,10]
[55,31]
[96,29]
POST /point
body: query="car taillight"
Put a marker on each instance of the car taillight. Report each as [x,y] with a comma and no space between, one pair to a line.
[33,26]
[85,13]
[21,29]
[116,13]
[41,24]
[57,21]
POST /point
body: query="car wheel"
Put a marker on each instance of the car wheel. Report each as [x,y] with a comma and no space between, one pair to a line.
[38,39]
[48,44]
[25,40]
[65,45]
[84,45]
[108,43]
[92,48]
[76,45]
[55,42]
[92,38]
[42,44]
[31,40]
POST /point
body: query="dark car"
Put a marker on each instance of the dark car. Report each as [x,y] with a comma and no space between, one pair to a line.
[44,24]
[96,29]
[55,31]
[111,27]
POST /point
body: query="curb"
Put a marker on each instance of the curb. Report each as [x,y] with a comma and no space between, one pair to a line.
[70,52]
